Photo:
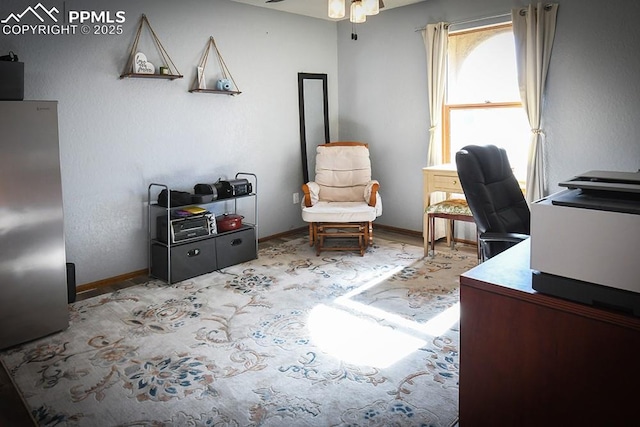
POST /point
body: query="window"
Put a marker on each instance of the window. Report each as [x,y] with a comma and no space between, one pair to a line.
[482,102]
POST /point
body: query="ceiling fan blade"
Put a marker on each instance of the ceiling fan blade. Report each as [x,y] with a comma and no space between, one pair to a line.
[278,1]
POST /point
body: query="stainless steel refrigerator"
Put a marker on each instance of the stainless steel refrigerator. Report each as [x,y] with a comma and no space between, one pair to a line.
[33,285]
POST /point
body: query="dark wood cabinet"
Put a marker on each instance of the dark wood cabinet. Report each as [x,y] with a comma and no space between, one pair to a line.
[528,359]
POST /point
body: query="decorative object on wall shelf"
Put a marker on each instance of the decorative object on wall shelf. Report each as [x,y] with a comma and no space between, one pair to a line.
[202,84]
[142,66]
[225,85]
[139,66]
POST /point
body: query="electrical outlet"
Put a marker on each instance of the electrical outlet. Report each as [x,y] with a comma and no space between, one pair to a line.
[296,198]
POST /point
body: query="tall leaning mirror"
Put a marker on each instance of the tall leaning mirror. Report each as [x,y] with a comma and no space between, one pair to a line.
[313,104]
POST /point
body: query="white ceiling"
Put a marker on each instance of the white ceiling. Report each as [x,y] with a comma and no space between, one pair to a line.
[316,8]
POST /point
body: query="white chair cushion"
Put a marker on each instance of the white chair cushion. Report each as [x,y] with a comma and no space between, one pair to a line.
[340,212]
[342,172]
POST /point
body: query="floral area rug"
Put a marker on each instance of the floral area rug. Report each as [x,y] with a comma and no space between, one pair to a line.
[288,339]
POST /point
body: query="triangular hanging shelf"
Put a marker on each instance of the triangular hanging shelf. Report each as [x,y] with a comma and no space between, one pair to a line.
[133,68]
[223,86]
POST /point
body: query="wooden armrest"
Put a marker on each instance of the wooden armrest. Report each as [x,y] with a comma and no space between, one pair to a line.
[374,194]
[307,195]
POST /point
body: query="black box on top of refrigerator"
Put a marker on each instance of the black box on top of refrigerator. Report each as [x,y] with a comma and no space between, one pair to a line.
[11,81]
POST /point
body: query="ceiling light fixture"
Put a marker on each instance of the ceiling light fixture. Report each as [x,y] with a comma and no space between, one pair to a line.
[357,15]
[372,7]
[336,9]
[358,11]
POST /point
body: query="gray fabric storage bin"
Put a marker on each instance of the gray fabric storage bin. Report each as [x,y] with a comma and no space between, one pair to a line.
[236,246]
[187,260]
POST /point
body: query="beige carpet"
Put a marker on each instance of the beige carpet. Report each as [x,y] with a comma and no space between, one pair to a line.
[288,339]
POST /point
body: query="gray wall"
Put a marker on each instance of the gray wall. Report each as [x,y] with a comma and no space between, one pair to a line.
[591,111]
[117,136]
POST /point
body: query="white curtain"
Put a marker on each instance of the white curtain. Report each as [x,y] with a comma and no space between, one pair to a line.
[436,41]
[534,28]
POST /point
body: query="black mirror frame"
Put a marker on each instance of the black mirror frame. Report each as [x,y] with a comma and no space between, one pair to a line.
[303,137]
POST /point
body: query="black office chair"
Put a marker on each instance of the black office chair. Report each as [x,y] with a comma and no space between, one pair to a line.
[494,196]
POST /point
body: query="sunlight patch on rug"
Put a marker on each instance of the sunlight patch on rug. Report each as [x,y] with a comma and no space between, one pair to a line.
[351,339]
[435,326]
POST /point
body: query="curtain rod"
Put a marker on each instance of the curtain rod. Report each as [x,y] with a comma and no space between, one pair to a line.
[468,21]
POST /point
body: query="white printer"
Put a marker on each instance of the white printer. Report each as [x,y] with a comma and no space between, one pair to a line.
[585,241]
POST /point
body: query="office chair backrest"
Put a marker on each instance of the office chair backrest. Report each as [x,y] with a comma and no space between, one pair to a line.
[492,191]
